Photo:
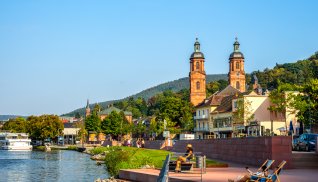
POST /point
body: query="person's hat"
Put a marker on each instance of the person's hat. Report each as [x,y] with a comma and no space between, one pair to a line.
[189,146]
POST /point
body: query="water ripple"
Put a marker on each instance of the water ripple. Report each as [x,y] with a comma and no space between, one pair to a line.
[53,166]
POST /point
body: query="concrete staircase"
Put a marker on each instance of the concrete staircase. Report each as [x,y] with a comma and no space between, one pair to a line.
[305,160]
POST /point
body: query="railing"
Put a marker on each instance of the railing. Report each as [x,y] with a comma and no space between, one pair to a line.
[164,172]
[201,117]
[202,129]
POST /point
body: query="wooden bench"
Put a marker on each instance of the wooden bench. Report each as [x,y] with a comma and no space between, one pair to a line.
[185,166]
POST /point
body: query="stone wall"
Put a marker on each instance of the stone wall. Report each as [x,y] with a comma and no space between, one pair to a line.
[250,151]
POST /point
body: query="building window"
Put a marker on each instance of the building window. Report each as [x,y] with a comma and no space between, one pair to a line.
[199,112]
[202,112]
[235,104]
[238,85]
[197,65]
[198,85]
[237,65]
[199,125]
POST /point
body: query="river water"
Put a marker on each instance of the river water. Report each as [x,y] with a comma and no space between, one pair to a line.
[58,165]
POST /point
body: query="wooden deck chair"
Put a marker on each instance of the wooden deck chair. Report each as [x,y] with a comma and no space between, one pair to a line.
[275,175]
[267,163]
[260,171]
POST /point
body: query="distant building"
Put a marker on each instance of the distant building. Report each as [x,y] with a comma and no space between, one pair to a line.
[214,115]
[66,119]
[236,72]
[70,133]
[204,128]
[99,138]
[104,113]
[197,76]
[87,109]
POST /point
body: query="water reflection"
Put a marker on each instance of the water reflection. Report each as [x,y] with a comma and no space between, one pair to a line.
[52,166]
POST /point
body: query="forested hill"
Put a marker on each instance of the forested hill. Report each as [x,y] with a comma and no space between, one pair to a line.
[7,117]
[296,73]
[176,85]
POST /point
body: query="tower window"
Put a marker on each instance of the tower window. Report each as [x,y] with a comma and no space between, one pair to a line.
[198,85]
[197,65]
[237,65]
[238,85]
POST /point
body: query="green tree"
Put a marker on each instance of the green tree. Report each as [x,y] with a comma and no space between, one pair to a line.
[153,127]
[139,129]
[97,108]
[82,133]
[44,127]
[115,124]
[17,125]
[77,115]
[92,123]
[306,103]
[243,113]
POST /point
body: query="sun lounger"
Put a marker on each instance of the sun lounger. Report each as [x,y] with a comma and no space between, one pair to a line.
[260,171]
[274,176]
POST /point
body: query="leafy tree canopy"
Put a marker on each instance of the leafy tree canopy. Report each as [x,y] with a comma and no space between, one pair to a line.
[92,123]
[17,125]
[45,126]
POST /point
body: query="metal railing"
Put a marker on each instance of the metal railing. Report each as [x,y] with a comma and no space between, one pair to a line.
[200,163]
[164,172]
[202,129]
[201,117]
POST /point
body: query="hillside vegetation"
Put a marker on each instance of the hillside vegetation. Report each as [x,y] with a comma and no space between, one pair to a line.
[175,86]
[297,73]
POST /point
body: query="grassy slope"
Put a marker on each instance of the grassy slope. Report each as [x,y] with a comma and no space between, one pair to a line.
[132,158]
[157,156]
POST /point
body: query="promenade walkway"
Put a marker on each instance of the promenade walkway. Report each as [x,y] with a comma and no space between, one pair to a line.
[223,174]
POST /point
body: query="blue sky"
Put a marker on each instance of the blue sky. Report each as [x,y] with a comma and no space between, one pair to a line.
[56,54]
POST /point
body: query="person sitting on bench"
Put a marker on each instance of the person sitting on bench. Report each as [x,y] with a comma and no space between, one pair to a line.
[187,156]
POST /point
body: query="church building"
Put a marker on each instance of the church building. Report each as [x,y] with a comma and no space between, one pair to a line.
[197,75]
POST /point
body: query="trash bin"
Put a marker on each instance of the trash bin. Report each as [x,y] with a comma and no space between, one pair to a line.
[199,161]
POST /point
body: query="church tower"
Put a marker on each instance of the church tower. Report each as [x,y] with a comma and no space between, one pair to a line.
[236,72]
[87,110]
[197,75]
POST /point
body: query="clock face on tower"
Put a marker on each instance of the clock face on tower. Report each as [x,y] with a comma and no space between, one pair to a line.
[237,74]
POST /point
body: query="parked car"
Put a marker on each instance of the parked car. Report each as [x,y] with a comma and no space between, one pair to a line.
[306,142]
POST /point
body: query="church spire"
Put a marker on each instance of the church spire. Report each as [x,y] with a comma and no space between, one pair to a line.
[88,109]
[236,45]
[196,45]
[87,105]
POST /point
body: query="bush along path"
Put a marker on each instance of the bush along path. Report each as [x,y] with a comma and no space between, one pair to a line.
[117,158]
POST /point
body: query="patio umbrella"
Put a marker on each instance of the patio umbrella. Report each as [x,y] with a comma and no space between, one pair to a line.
[301,128]
[291,128]
[281,129]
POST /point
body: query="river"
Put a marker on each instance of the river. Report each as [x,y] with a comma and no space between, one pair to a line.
[58,165]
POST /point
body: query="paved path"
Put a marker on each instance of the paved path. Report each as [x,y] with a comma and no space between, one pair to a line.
[223,174]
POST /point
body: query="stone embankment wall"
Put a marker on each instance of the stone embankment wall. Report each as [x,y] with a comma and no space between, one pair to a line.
[250,151]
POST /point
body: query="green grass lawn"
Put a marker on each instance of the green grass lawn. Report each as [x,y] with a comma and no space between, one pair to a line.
[130,158]
[133,158]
